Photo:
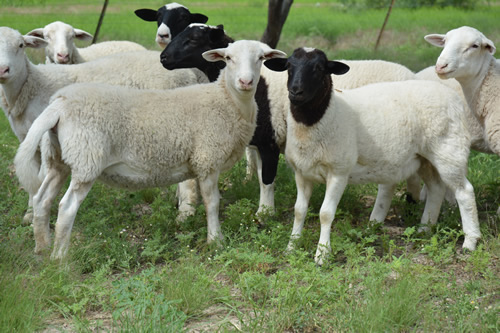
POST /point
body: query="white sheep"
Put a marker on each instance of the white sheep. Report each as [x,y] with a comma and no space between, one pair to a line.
[379,133]
[61,48]
[25,89]
[468,56]
[142,138]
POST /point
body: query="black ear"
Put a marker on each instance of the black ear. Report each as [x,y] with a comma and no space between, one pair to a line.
[337,68]
[276,64]
[220,26]
[198,18]
[149,15]
[216,35]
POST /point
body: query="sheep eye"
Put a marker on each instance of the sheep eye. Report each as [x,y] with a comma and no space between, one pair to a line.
[475,46]
[228,58]
[21,46]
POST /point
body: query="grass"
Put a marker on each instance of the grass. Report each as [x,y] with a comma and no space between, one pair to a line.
[131,267]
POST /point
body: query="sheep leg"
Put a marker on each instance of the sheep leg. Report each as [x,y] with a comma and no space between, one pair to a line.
[453,175]
[413,186]
[383,202]
[42,202]
[304,191]
[468,211]
[267,166]
[335,187]
[211,198]
[187,194]
[68,207]
[434,196]
[251,156]
[28,216]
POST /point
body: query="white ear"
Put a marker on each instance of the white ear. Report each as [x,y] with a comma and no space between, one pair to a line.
[274,54]
[488,44]
[215,55]
[36,32]
[35,42]
[435,39]
[82,35]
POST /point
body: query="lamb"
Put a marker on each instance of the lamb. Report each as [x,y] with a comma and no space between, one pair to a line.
[25,88]
[172,19]
[142,138]
[270,136]
[356,136]
[61,48]
[467,56]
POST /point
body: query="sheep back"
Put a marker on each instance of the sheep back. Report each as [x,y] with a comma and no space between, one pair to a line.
[158,137]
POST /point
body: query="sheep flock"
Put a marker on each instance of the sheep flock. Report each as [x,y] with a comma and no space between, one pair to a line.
[135,118]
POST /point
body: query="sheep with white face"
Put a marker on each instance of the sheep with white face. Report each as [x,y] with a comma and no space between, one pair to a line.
[61,48]
[468,56]
[142,138]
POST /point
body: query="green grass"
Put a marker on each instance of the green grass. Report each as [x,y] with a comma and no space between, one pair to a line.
[132,267]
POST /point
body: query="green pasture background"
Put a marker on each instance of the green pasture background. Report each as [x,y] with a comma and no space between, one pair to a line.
[132,268]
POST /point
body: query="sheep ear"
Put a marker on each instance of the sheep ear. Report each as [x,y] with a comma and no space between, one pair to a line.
[337,67]
[82,35]
[198,18]
[149,15]
[435,39]
[35,42]
[488,45]
[215,55]
[216,34]
[274,54]
[36,32]
[276,64]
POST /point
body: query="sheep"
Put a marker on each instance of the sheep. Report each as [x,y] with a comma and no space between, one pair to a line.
[379,133]
[172,19]
[272,101]
[142,138]
[467,56]
[25,88]
[61,48]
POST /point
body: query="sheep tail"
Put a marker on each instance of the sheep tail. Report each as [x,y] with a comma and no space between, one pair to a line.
[27,161]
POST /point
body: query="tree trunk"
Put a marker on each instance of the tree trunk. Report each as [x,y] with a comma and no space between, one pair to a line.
[276,17]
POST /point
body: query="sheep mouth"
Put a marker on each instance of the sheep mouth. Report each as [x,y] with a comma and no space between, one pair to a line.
[296,99]
[446,74]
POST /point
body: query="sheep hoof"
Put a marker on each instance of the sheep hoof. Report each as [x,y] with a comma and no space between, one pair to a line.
[424,229]
[469,244]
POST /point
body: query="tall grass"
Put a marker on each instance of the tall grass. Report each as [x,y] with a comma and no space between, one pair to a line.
[132,267]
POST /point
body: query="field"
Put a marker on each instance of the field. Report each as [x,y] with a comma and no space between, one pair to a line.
[133,268]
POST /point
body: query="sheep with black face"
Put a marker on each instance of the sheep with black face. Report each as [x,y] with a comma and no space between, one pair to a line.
[379,133]
[171,19]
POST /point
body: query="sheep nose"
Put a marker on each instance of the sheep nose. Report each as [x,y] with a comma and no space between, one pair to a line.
[164,35]
[63,57]
[246,84]
[296,91]
[4,70]
[441,68]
